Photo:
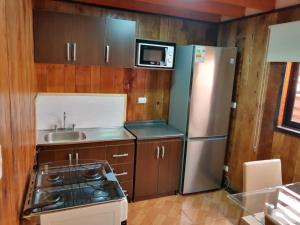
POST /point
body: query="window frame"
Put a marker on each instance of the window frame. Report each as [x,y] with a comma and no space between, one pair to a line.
[287,94]
[290,99]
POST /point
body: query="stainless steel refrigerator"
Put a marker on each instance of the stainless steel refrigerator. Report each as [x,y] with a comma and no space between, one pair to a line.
[200,104]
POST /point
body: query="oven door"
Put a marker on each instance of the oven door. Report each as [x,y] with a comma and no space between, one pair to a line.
[150,55]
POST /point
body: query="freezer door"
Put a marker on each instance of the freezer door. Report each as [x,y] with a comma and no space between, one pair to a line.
[211,93]
[204,164]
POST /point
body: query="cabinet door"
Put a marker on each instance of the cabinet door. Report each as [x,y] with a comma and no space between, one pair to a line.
[93,153]
[146,171]
[52,33]
[88,40]
[169,166]
[46,156]
[119,43]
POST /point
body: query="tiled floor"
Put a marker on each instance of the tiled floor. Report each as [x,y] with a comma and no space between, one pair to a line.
[211,208]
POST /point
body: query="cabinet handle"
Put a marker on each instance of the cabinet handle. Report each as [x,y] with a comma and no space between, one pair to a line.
[107,54]
[121,174]
[163,152]
[120,155]
[77,156]
[68,52]
[70,158]
[157,152]
[74,51]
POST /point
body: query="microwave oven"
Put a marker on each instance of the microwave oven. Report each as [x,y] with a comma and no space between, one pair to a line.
[155,54]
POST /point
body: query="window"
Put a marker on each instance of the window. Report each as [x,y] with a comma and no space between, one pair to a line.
[289,110]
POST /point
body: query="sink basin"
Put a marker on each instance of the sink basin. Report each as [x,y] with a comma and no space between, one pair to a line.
[65,136]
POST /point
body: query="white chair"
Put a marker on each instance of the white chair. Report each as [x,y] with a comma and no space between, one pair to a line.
[259,175]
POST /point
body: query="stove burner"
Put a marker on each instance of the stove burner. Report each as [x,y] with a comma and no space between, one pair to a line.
[52,198]
[99,194]
[92,174]
[54,178]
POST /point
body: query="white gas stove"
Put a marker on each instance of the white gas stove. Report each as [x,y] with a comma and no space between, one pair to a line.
[76,193]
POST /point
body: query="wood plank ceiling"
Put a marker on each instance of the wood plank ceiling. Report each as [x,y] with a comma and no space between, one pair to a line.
[206,10]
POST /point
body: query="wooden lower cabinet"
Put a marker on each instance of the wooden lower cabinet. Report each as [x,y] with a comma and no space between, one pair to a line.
[157,168]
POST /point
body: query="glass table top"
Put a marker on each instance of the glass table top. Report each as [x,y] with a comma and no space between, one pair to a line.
[281,203]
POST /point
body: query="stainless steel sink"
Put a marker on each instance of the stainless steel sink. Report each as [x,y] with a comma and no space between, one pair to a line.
[65,136]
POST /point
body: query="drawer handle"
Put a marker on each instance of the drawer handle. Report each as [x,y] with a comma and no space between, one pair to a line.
[121,174]
[120,155]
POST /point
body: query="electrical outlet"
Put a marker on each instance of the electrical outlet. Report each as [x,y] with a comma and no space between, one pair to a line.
[142,100]
[226,168]
[1,164]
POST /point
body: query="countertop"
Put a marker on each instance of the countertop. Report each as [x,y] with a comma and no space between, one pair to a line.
[144,130]
[92,135]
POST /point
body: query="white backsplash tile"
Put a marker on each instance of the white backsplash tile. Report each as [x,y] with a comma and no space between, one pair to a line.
[84,110]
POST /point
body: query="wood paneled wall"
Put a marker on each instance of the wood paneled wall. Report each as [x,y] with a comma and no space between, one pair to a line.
[154,84]
[17,91]
[252,135]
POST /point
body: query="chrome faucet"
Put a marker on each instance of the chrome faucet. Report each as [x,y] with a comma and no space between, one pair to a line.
[65,117]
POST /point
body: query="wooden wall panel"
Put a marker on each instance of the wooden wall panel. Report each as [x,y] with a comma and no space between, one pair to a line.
[256,92]
[154,84]
[6,202]
[17,92]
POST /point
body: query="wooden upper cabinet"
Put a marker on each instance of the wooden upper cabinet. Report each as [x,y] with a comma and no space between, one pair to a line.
[52,33]
[68,39]
[120,43]
[86,40]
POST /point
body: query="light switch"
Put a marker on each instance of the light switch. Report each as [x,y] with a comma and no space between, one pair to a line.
[1,163]
[142,100]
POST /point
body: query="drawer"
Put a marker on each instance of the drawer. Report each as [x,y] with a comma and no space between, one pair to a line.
[120,154]
[123,172]
[53,156]
[127,188]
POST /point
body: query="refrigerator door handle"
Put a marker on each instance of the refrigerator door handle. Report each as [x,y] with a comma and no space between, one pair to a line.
[157,152]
